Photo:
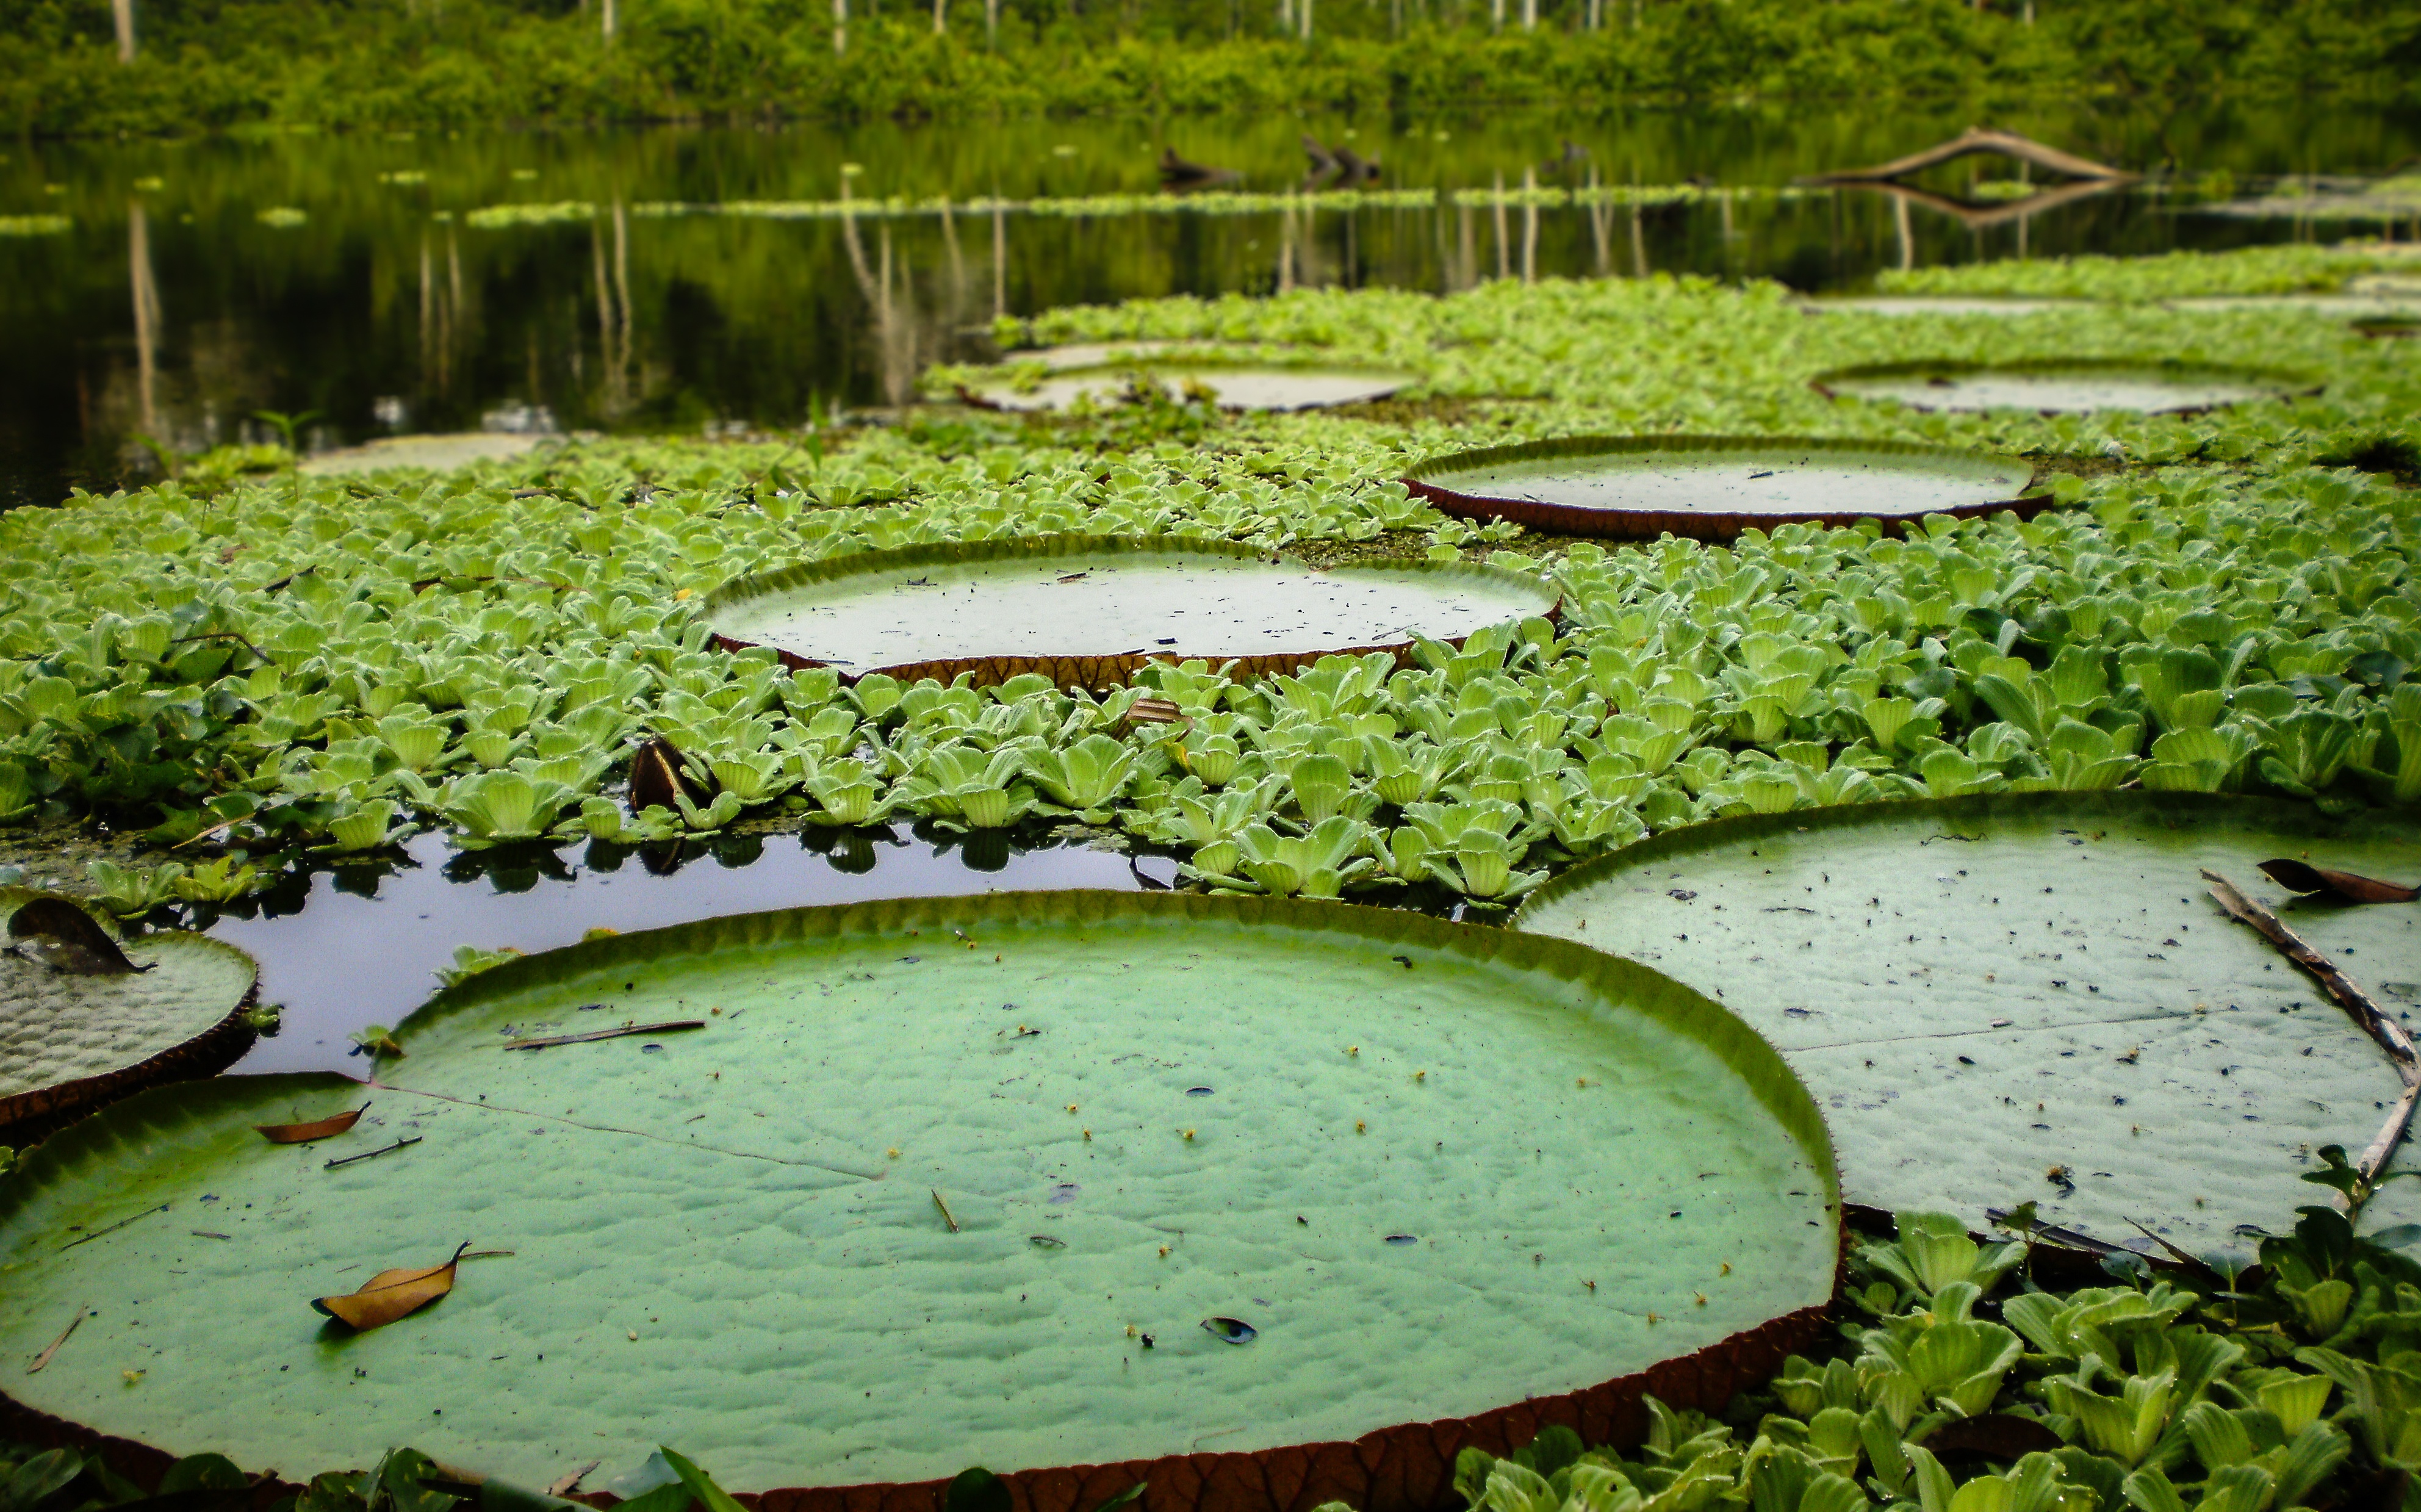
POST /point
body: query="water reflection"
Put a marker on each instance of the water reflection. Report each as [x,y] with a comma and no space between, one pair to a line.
[200,282]
[353,945]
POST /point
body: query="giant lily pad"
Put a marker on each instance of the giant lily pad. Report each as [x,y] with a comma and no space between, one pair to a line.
[1089,610]
[2069,387]
[1228,386]
[1715,487]
[957,1180]
[77,1035]
[1984,991]
[438,453]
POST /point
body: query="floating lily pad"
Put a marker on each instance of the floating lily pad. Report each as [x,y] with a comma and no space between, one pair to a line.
[72,1038]
[438,453]
[1089,610]
[814,1241]
[2076,387]
[1230,388]
[1982,991]
[1715,487]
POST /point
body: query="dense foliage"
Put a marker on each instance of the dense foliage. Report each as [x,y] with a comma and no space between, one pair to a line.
[249,669]
[218,63]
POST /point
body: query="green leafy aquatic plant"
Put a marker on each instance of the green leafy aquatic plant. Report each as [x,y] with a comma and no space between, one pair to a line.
[1325,1054]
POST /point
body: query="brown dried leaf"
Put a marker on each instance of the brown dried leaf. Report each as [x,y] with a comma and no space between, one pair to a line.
[68,939]
[390,1295]
[2299,876]
[305,1133]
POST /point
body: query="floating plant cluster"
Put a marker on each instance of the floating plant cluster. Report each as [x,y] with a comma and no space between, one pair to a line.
[557,647]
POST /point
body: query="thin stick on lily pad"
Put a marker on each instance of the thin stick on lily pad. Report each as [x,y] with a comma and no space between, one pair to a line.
[2357,1003]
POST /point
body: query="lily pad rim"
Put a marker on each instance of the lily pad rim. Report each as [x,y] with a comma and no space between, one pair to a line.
[2279,382]
[1634,523]
[1119,666]
[1689,839]
[214,1047]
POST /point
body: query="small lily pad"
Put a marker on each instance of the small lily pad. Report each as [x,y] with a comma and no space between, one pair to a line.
[2071,387]
[1089,610]
[1229,388]
[1715,487]
[75,1032]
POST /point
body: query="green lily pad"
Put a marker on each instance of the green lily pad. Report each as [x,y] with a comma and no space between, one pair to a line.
[69,1040]
[2075,387]
[1228,386]
[1090,610]
[438,453]
[1981,990]
[933,1185]
[1718,486]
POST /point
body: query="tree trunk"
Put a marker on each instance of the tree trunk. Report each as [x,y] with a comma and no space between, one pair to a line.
[991,23]
[607,12]
[1305,15]
[941,17]
[840,27]
[122,12]
[1529,15]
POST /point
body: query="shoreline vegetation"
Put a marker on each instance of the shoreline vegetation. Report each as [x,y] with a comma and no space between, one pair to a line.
[217,65]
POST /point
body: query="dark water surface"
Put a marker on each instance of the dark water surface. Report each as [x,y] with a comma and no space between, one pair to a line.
[362,946]
[198,281]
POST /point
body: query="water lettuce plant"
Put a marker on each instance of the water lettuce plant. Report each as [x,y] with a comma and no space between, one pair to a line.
[262,668]
[1172,1143]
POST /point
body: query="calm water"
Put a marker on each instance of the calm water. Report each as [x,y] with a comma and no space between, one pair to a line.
[357,946]
[198,281]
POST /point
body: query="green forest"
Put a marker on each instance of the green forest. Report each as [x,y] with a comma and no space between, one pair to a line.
[77,67]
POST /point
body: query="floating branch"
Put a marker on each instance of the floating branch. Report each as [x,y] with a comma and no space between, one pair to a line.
[1974,140]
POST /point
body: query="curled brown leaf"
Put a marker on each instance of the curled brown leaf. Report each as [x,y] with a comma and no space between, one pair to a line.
[2302,877]
[319,1129]
[391,1295]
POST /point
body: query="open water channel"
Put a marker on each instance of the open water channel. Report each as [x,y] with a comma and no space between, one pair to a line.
[386,284]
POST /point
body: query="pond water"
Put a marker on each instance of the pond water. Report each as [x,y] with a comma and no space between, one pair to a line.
[343,948]
[519,282]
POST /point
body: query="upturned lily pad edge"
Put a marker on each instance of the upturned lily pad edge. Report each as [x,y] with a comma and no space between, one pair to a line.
[28,1115]
[1094,671]
[1709,834]
[1648,525]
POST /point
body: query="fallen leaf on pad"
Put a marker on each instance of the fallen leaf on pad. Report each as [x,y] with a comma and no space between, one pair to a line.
[391,1294]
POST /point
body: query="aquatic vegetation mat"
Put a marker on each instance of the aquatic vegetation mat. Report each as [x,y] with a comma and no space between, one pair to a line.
[2058,388]
[1088,611]
[2033,997]
[1225,387]
[1717,486]
[85,1017]
[864,1194]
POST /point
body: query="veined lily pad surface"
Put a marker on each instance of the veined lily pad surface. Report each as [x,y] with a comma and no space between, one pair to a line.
[1984,991]
[1109,604]
[68,1040]
[944,1182]
[1229,388]
[1716,486]
[2058,388]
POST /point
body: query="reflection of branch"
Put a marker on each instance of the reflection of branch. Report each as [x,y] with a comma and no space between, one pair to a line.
[1977,217]
[2000,144]
[2357,1005]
